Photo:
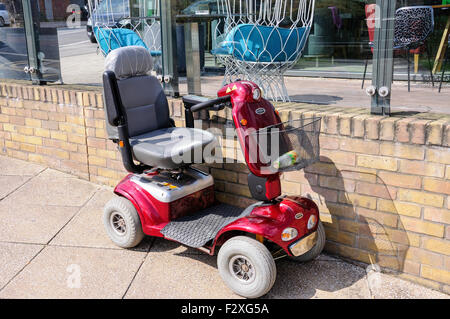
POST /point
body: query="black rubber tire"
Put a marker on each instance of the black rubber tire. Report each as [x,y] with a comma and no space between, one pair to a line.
[2,22]
[133,234]
[317,249]
[261,259]
[91,37]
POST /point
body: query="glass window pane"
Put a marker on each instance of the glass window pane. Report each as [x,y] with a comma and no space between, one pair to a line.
[13,47]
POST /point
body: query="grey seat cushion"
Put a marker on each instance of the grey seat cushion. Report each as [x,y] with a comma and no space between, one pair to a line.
[171,147]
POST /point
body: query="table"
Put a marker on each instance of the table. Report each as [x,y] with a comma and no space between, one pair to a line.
[191,38]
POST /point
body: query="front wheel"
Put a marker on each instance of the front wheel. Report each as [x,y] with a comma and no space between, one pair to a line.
[2,22]
[246,266]
[318,247]
[122,223]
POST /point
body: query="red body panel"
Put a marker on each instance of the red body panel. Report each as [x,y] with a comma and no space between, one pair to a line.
[270,221]
[244,108]
[267,220]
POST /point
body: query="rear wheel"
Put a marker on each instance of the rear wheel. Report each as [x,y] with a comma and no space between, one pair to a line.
[317,249]
[246,266]
[122,223]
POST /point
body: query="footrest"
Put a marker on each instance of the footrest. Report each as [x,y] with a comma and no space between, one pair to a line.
[197,229]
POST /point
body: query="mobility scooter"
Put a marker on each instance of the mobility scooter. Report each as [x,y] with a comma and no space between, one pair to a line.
[165,196]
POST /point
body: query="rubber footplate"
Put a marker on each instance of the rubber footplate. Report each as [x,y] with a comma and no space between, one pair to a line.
[197,229]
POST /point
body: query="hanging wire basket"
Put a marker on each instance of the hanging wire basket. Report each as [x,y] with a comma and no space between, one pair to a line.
[288,146]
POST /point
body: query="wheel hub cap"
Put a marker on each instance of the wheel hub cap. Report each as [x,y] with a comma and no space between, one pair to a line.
[118,223]
[242,269]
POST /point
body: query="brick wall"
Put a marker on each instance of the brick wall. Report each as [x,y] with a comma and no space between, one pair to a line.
[382,185]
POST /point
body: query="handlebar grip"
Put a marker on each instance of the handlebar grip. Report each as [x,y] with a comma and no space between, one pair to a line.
[210,103]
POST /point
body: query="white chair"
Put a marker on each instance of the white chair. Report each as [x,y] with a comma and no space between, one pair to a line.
[259,40]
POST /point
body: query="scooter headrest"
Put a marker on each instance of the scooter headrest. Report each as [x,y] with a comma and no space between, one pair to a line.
[130,61]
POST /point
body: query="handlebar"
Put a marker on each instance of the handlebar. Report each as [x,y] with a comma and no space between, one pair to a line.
[218,104]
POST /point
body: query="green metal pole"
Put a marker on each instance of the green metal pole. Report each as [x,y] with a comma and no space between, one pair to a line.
[169,47]
[383,62]
[31,23]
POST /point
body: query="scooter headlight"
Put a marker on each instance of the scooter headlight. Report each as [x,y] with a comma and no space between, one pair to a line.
[289,234]
[256,94]
[312,221]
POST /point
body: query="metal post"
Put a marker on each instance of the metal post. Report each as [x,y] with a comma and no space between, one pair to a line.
[31,23]
[383,62]
[191,41]
[169,47]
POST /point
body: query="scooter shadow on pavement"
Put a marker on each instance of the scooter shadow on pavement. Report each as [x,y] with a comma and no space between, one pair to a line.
[375,236]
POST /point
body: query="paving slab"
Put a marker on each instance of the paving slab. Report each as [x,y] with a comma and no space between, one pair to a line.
[10,183]
[53,190]
[11,166]
[325,277]
[385,286]
[165,275]
[26,222]
[86,228]
[13,258]
[69,272]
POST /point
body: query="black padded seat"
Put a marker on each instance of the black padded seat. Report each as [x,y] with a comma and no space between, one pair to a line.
[170,147]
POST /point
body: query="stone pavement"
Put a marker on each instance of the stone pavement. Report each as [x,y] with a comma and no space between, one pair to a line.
[52,245]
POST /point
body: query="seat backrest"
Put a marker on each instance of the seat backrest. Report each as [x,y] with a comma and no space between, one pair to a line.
[412,26]
[143,99]
[257,43]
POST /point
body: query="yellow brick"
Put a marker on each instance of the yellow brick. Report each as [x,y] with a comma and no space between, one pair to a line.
[106,172]
[79,139]
[13,145]
[25,130]
[396,207]
[367,215]
[289,187]
[28,148]
[340,237]
[95,160]
[33,122]
[435,274]
[4,118]
[378,162]
[70,128]
[437,215]
[358,200]
[360,146]
[438,155]
[62,136]
[36,158]
[402,150]
[348,226]
[436,185]
[106,153]
[436,245]
[424,257]
[401,180]
[9,127]
[420,197]
[423,227]
[74,119]
[42,132]
[422,168]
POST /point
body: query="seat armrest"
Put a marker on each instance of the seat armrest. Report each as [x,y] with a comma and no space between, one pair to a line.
[191,100]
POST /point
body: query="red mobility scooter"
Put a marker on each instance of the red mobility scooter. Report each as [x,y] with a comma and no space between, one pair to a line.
[165,196]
